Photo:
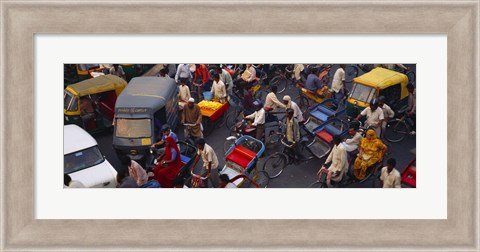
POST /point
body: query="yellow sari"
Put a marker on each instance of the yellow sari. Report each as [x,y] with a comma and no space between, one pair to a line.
[372,152]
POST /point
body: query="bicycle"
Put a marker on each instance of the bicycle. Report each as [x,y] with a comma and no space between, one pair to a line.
[397,129]
[282,79]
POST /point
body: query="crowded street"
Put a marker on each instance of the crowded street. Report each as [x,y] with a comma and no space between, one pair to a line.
[305,115]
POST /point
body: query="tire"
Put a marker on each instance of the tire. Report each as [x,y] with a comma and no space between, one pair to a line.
[231,119]
[227,144]
[411,77]
[280,82]
[317,184]
[261,178]
[302,102]
[395,131]
[275,164]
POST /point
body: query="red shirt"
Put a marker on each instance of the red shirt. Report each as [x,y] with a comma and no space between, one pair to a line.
[202,72]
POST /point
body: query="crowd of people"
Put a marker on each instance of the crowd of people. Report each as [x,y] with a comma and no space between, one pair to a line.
[363,151]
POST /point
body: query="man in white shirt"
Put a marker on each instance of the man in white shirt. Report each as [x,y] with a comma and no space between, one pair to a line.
[183,71]
[271,101]
[218,89]
[352,144]
[374,116]
[338,83]
[210,161]
[259,119]
[390,177]
[388,113]
[297,70]
[336,164]
[297,113]
[118,71]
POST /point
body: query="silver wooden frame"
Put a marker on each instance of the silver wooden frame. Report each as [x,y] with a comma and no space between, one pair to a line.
[20,20]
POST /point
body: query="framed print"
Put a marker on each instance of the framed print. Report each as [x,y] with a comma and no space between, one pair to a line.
[23,23]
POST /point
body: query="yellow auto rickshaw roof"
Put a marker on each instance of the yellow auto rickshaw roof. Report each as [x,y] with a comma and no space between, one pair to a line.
[98,84]
[382,78]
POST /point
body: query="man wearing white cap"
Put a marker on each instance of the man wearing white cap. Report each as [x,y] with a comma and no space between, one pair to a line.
[297,113]
[191,115]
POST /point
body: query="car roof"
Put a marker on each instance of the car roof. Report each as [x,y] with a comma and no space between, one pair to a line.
[98,84]
[147,92]
[75,139]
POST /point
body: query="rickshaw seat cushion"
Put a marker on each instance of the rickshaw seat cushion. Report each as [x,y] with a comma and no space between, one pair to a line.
[184,159]
[325,136]
[241,156]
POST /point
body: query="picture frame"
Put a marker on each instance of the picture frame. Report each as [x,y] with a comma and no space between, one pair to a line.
[20,231]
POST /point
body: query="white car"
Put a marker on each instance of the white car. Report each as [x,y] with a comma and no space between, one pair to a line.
[83,160]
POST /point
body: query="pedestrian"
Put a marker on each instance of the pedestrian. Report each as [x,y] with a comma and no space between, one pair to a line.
[374,116]
[297,113]
[259,119]
[118,71]
[297,70]
[218,89]
[202,76]
[388,114]
[183,93]
[191,115]
[338,83]
[135,170]
[210,161]
[183,71]
[293,132]
[69,183]
[412,106]
[225,78]
[336,164]
[390,176]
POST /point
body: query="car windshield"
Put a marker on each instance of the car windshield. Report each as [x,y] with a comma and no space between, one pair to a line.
[83,159]
[70,102]
[85,67]
[133,128]
[362,93]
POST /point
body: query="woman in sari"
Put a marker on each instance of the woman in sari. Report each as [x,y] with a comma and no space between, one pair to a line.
[371,151]
[167,170]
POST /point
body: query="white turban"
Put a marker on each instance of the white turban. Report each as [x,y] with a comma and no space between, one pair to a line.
[191,100]
[287,98]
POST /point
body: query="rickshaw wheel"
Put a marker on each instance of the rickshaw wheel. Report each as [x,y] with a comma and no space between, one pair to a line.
[275,164]
[227,144]
[395,131]
[302,102]
[280,82]
[261,178]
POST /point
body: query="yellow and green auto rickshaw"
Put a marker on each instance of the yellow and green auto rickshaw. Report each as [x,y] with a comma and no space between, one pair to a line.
[378,82]
[90,104]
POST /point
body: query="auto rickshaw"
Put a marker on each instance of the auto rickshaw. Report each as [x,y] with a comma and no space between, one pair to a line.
[378,82]
[140,111]
[90,103]
[84,70]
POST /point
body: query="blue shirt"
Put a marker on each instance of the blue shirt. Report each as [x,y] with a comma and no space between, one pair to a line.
[173,135]
[174,153]
[313,82]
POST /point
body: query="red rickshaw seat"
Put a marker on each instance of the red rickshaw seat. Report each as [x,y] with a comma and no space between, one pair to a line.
[409,177]
[325,136]
[241,156]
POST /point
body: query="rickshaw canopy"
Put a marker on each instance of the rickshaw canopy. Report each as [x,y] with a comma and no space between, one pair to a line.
[97,85]
[381,78]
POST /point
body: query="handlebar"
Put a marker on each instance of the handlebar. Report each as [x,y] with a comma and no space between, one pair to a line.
[189,124]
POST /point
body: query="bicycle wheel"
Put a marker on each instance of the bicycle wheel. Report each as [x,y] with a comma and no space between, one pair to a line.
[302,102]
[261,178]
[396,131]
[227,144]
[411,77]
[280,82]
[275,164]
[232,119]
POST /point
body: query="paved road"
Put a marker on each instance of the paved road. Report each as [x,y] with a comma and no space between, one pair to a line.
[294,176]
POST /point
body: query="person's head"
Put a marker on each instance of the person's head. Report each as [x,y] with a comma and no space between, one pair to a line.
[66,179]
[314,71]
[190,102]
[166,129]
[216,77]
[126,160]
[370,135]
[200,143]
[224,180]
[163,72]
[337,139]
[410,87]
[353,127]
[374,104]
[178,182]
[274,89]
[391,163]
[197,66]
[381,101]
[115,66]
[343,66]
[257,105]
[289,113]
[218,69]
[286,99]
[249,65]
[183,81]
